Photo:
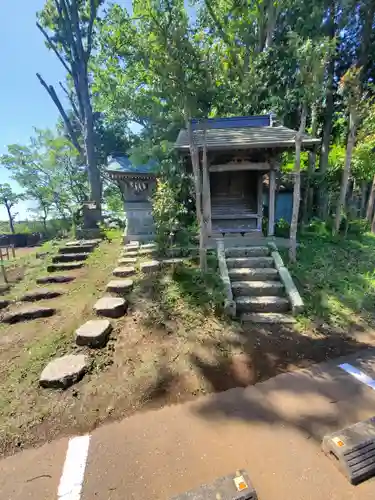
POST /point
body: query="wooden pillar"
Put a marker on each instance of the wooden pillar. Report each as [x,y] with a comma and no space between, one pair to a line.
[206,195]
[271,203]
[260,201]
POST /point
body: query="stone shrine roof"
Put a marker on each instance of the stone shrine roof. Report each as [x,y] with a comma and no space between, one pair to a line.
[121,166]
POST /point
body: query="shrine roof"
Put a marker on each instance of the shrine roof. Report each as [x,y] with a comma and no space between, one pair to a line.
[121,164]
[242,132]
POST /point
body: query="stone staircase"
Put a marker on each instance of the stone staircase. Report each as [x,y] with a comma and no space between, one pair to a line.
[257,289]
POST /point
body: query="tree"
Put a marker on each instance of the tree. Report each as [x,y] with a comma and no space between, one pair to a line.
[311,57]
[350,86]
[48,169]
[9,199]
[68,27]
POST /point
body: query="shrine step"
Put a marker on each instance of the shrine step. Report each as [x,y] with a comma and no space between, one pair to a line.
[257,288]
[250,251]
[253,262]
[64,266]
[77,248]
[70,257]
[253,274]
[270,304]
[267,318]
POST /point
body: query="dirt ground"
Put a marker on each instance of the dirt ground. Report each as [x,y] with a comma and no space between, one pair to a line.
[173,345]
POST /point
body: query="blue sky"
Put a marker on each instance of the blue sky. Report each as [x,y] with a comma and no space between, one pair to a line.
[24,103]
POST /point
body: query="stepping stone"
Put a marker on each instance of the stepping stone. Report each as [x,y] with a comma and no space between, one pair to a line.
[94,333]
[130,253]
[172,261]
[149,266]
[65,371]
[54,279]
[127,260]
[268,318]
[119,286]
[151,246]
[76,249]
[26,313]
[4,303]
[70,257]
[122,272]
[111,307]
[133,244]
[93,242]
[64,266]
[40,294]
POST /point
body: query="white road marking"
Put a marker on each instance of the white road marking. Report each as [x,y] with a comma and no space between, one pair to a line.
[73,473]
[358,374]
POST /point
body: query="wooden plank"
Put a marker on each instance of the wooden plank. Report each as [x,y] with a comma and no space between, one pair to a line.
[226,167]
[271,204]
[260,201]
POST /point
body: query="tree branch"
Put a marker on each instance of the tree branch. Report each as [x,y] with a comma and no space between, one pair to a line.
[52,93]
[53,47]
[73,104]
[93,10]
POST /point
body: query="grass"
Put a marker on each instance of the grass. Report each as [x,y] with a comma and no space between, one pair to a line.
[336,278]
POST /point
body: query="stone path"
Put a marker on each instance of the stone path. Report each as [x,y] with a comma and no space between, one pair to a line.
[65,371]
[40,294]
[94,333]
[112,307]
[27,313]
[54,279]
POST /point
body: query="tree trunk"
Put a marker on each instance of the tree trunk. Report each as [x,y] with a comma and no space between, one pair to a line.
[89,139]
[371,200]
[328,119]
[297,187]
[346,171]
[307,200]
[194,154]
[11,222]
[362,207]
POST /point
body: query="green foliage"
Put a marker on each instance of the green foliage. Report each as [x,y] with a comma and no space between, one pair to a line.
[49,171]
[282,228]
[336,278]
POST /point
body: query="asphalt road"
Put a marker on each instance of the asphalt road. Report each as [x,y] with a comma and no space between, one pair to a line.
[273,430]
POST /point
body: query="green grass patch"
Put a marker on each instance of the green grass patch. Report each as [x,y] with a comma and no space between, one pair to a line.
[336,278]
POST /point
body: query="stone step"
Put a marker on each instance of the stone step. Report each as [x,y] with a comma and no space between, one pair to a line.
[40,294]
[263,304]
[4,303]
[251,274]
[247,251]
[123,271]
[253,262]
[267,318]
[54,279]
[75,243]
[27,313]
[257,288]
[130,254]
[62,372]
[126,261]
[64,266]
[149,266]
[94,333]
[120,286]
[111,307]
[77,249]
[70,257]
